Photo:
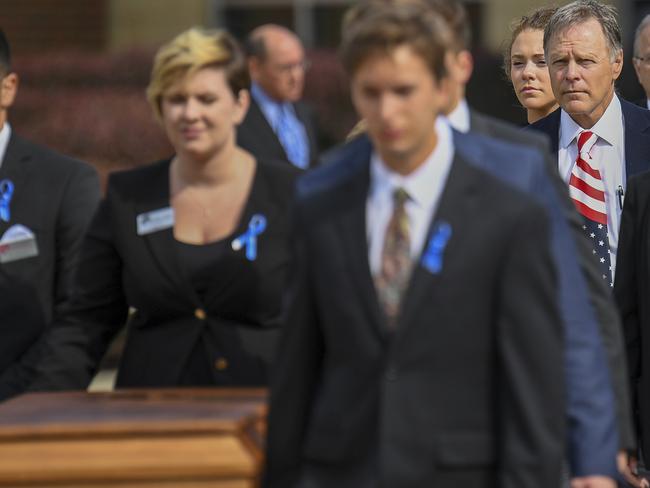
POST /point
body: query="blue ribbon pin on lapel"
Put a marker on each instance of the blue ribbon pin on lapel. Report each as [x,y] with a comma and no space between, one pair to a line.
[248,239]
[432,257]
[6,192]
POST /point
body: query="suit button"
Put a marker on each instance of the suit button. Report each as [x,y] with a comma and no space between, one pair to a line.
[391,373]
[221,364]
[200,314]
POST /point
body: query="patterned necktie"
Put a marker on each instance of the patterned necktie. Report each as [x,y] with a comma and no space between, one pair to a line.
[292,137]
[588,193]
[392,280]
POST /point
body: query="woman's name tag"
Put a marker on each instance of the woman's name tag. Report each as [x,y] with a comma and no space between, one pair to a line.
[155,220]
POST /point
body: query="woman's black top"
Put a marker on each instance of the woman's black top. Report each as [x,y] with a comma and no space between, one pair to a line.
[202,263]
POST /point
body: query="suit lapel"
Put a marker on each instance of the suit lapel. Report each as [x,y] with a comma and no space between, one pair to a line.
[304,115]
[352,225]
[455,207]
[637,142]
[259,123]
[161,244]
[550,125]
[478,124]
[17,168]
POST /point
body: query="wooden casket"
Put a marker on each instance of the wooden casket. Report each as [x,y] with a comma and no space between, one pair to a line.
[181,438]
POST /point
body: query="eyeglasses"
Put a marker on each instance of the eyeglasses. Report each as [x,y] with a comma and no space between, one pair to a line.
[303,65]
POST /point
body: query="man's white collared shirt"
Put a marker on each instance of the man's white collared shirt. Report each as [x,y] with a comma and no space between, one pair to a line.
[5,134]
[459,118]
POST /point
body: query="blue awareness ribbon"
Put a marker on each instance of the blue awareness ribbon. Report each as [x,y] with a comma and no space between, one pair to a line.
[6,192]
[248,239]
[432,257]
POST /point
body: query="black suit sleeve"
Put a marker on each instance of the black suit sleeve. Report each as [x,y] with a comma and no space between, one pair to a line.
[81,334]
[530,343]
[295,373]
[78,206]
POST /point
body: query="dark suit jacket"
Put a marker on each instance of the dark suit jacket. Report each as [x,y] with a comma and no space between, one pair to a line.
[120,269]
[22,322]
[437,404]
[592,437]
[55,197]
[493,127]
[256,135]
[583,447]
[632,289]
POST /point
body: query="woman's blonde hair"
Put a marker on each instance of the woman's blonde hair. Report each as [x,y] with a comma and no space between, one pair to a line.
[191,51]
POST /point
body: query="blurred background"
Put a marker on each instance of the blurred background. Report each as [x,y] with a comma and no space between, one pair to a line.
[84,65]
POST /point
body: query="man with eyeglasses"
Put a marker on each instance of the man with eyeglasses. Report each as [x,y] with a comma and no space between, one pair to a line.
[278,125]
[642,59]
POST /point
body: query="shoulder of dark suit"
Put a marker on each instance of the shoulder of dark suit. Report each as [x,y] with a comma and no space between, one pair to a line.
[491,126]
[336,167]
[49,160]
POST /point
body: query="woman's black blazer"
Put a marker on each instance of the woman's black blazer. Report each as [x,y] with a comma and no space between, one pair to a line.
[123,274]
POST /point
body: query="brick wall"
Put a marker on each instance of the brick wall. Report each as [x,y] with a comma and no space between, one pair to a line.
[50,25]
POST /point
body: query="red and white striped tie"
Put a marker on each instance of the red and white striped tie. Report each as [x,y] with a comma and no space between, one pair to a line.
[588,193]
[586,185]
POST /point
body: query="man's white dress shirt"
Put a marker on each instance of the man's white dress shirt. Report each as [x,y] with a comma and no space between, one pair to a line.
[5,134]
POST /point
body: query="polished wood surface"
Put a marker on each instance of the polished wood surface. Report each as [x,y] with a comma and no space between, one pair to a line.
[133,438]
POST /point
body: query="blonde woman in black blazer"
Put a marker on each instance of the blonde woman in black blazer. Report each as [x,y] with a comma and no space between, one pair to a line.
[195,246]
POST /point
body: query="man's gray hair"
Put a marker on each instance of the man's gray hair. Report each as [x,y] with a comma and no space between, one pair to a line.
[644,23]
[581,11]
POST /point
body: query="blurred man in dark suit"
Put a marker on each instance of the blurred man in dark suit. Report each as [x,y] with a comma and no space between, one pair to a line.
[46,203]
[422,347]
[278,125]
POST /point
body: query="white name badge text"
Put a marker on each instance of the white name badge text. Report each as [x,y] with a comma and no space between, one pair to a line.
[155,220]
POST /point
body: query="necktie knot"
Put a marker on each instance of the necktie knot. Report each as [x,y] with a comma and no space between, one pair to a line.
[584,145]
[400,197]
